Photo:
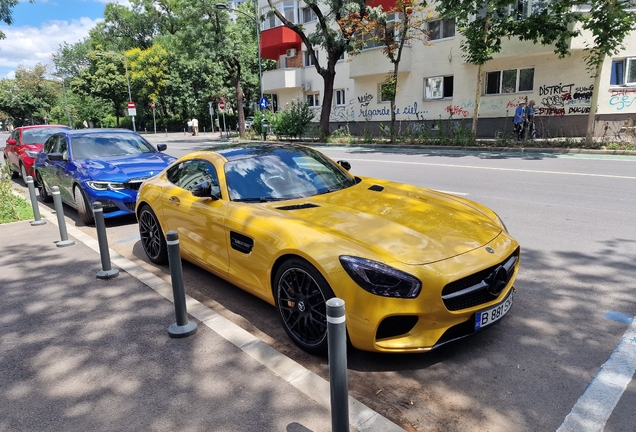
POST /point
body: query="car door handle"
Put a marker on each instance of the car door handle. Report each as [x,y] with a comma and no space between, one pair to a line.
[174,200]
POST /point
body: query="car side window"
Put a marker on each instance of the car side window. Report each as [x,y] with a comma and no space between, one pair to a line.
[61,148]
[191,173]
[16,136]
[49,144]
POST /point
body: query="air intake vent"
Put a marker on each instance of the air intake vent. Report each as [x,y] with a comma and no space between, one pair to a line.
[298,206]
[377,188]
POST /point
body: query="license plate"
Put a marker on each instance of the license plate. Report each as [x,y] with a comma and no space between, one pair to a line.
[495,313]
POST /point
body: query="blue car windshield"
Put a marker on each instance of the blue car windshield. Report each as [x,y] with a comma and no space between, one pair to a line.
[105,145]
[284,174]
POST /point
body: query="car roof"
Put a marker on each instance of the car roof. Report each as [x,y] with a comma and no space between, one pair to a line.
[241,150]
[96,131]
[43,127]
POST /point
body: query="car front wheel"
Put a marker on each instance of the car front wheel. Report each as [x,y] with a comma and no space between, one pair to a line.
[84,211]
[152,238]
[24,174]
[301,295]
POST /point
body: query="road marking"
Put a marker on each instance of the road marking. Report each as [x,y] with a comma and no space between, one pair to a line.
[594,407]
[500,169]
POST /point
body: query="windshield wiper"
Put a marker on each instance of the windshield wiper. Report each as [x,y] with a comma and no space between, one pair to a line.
[260,200]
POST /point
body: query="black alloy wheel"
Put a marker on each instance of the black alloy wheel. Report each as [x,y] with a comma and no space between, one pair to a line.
[84,210]
[44,195]
[301,295]
[152,238]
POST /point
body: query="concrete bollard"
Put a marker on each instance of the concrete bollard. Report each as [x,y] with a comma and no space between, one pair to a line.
[61,222]
[337,342]
[182,328]
[107,271]
[34,203]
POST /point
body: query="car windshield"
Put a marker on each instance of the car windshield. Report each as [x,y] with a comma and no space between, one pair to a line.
[105,145]
[38,136]
[284,173]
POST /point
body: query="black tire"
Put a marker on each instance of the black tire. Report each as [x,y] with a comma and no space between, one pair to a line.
[23,174]
[84,211]
[301,295]
[152,239]
[44,195]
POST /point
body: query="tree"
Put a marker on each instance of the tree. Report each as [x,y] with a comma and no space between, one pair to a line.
[484,23]
[30,96]
[334,35]
[609,21]
[6,15]
[393,29]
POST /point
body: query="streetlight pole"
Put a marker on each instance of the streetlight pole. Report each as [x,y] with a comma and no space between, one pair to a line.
[223,6]
[68,112]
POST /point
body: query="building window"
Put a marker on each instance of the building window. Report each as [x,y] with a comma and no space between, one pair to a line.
[313,99]
[623,72]
[340,97]
[391,20]
[385,92]
[288,9]
[309,15]
[510,81]
[441,29]
[438,87]
[269,21]
[308,60]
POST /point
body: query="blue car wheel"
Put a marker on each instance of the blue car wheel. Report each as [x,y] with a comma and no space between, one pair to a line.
[84,210]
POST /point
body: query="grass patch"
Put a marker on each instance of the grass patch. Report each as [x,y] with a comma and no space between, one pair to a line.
[14,208]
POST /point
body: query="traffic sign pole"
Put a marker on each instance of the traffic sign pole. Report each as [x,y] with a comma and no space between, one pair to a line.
[132,111]
[154,121]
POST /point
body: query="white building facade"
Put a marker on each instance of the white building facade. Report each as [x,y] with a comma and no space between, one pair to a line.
[436,84]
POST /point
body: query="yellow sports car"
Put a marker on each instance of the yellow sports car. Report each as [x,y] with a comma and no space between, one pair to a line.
[416,268]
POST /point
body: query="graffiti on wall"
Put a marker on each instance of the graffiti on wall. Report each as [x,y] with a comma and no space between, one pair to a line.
[561,99]
[623,98]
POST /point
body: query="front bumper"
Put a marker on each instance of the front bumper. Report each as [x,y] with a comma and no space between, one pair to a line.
[114,203]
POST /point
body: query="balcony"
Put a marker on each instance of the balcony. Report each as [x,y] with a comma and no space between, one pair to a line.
[282,79]
[276,41]
[373,62]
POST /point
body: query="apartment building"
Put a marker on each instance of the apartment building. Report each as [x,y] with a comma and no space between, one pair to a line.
[437,84]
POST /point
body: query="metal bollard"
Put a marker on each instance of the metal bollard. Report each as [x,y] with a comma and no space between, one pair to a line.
[107,271]
[203,130]
[337,342]
[184,132]
[182,328]
[166,131]
[61,222]
[34,203]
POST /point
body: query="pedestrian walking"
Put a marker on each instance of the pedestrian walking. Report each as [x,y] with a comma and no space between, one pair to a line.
[190,126]
[195,126]
[531,131]
[519,120]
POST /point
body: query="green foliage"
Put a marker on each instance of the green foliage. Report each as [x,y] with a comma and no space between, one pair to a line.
[292,122]
[12,208]
[30,96]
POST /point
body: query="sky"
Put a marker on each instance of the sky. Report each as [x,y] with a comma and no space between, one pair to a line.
[40,28]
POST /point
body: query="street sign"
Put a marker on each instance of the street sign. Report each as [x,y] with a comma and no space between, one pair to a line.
[152,105]
[222,105]
[131,105]
[263,103]
[132,111]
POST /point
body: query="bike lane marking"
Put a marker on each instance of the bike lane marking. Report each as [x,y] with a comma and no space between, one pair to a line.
[594,407]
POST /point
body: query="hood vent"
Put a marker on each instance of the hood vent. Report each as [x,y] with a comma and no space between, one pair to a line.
[377,188]
[297,206]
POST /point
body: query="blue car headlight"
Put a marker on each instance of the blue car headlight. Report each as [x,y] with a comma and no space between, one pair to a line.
[380,279]
[103,186]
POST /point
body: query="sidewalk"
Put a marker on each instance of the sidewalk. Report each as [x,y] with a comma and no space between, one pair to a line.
[82,354]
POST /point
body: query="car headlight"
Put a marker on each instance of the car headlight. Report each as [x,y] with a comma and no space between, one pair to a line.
[380,279]
[32,154]
[102,186]
[501,222]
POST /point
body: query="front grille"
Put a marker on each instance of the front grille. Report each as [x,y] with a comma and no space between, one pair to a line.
[135,184]
[130,206]
[477,288]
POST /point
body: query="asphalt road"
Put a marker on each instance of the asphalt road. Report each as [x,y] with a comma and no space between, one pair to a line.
[567,337]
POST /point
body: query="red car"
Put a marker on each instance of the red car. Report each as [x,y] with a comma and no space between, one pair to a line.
[24,143]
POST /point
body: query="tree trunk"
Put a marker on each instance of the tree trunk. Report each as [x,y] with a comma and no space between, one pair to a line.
[328,77]
[477,98]
[591,118]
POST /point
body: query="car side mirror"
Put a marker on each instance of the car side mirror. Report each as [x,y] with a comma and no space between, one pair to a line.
[55,157]
[206,190]
[11,141]
[346,165]
[161,147]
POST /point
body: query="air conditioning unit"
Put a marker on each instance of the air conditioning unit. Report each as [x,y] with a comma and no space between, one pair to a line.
[305,87]
[291,52]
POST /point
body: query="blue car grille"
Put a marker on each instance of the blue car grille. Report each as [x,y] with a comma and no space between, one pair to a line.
[131,206]
[135,184]
[477,288]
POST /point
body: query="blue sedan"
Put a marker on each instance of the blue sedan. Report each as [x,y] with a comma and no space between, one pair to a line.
[106,165]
